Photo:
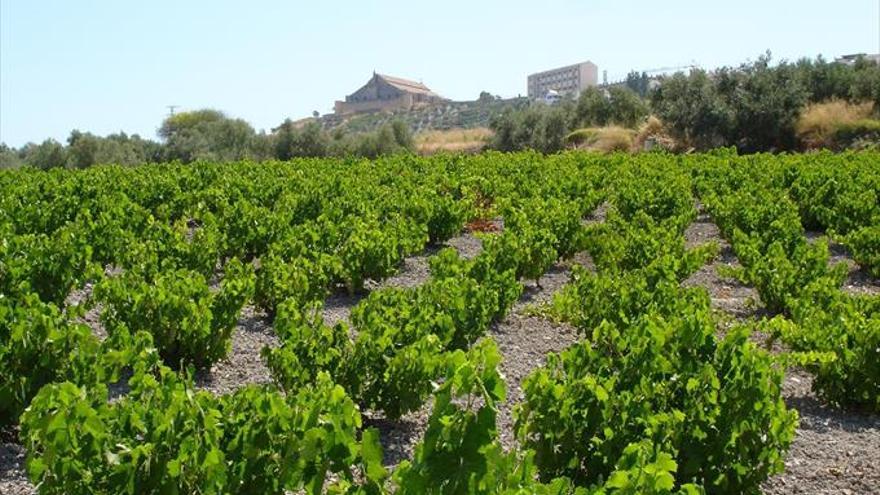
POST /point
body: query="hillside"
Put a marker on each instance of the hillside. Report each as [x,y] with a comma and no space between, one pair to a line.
[451,115]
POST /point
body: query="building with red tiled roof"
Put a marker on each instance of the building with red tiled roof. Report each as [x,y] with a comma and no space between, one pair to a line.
[383,92]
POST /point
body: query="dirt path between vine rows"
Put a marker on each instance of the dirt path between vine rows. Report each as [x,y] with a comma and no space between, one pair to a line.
[834,450]
[525,340]
[858,281]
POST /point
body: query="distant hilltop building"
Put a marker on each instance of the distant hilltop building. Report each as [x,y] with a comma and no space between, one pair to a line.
[564,81]
[851,59]
[387,93]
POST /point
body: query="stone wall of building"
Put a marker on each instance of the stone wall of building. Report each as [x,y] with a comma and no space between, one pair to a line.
[387,93]
[403,102]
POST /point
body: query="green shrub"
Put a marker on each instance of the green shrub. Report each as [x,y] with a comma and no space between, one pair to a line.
[666,383]
[590,299]
[48,265]
[37,346]
[864,244]
[189,323]
[830,321]
[164,437]
[300,279]
[308,346]
[372,250]
[617,245]
[780,278]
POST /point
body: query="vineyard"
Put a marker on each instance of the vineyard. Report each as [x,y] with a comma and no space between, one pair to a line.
[488,324]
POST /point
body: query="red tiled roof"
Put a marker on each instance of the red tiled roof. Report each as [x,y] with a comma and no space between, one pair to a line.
[407,85]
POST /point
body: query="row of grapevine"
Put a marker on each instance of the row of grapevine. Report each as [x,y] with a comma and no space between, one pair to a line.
[763,209]
[164,437]
[651,400]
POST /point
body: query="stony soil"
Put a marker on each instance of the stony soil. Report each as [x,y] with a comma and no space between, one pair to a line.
[858,281]
[728,295]
[525,340]
[13,480]
[834,451]
[243,365]
[92,316]
[399,437]
[413,272]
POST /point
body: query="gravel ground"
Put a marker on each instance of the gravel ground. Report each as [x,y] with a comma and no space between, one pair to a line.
[728,295]
[337,307]
[13,480]
[399,437]
[524,342]
[243,365]
[468,245]
[858,281]
[599,214]
[414,271]
[92,316]
[834,451]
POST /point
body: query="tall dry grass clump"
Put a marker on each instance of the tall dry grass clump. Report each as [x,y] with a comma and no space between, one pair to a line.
[613,138]
[604,139]
[453,140]
[652,134]
[820,124]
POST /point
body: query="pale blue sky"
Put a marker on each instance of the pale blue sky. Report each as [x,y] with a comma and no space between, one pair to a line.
[105,66]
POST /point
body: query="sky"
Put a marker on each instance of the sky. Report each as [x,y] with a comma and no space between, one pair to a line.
[108,66]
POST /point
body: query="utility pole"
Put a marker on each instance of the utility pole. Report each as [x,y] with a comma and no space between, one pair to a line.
[171,109]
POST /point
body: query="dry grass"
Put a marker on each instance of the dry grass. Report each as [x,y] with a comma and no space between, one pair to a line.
[652,134]
[613,138]
[581,137]
[819,122]
[453,141]
[604,139]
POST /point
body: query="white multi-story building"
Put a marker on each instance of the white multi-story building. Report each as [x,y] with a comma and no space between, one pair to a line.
[851,59]
[568,80]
